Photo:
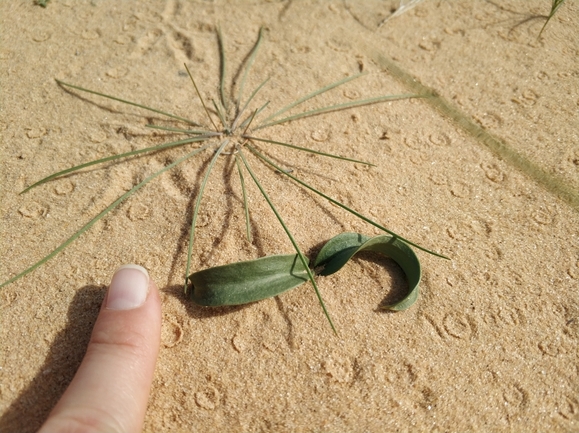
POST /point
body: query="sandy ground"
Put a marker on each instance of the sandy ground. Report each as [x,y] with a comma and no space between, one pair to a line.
[486,172]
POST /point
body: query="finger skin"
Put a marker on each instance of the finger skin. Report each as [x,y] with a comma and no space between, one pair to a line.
[110,390]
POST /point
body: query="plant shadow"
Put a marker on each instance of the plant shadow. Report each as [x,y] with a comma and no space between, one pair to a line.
[523,17]
[398,288]
[29,410]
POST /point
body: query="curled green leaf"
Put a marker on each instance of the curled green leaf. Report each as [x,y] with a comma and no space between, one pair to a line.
[254,280]
[245,282]
[340,249]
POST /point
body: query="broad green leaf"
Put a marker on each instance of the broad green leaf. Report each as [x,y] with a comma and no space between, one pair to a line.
[254,280]
[245,282]
[340,249]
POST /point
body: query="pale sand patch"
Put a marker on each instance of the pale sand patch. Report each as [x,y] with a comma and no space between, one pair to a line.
[491,344]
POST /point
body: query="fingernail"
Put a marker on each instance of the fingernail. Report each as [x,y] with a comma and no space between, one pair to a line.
[128,288]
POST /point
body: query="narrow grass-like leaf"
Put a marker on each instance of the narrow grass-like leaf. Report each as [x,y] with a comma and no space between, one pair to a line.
[293,241]
[222,66]
[249,281]
[249,123]
[340,249]
[221,115]
[404,6]
[113,157]
[259,110]
[336,202]
[305,149]
[197,207]
[100,215]
[201,98]
[310,96]
[184,131]
[236,121]
[247,66]
[245,202]
[124,101]
[556,4]
[338,107]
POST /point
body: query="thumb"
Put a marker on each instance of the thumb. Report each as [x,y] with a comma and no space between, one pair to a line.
[110,390]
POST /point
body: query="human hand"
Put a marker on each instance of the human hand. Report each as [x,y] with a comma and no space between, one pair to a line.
[110,390]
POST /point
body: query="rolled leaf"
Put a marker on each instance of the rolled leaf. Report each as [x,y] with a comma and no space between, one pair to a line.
[249,281]
[340,249]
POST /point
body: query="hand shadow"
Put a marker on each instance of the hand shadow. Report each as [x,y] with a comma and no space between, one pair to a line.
[31,408]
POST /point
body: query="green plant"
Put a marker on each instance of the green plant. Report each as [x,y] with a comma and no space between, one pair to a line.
[267,276]
[555,5]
